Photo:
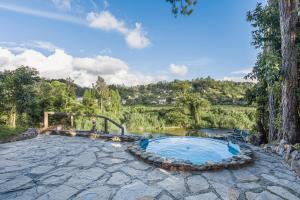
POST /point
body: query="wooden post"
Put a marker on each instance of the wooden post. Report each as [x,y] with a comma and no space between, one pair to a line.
[105,126]
[46,120]
[122,130]
[72,121]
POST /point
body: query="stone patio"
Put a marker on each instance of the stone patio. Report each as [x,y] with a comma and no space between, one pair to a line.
[58,167]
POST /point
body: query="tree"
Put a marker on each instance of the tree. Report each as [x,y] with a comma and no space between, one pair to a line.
[288,25]
[193,103]
[115,102]
[101,92]
[89,101]
[18,92]
[184,7]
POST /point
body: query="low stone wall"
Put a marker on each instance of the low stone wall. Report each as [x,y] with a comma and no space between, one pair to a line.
[99,135]
[244,158]
[30,133]
[289,153]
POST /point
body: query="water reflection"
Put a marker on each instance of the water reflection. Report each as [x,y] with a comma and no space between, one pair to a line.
[205,132]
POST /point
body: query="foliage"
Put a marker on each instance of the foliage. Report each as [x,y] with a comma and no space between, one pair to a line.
[266,36]
[6,131]
[183,7]
[18,93]
[189,103]
[216,92]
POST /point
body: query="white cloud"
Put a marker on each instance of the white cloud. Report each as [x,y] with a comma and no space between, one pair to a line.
[105,4]
[179,70]
[239,76]
[104,65]
[238,79]
[135,38]
[62,4]
[84,71]
[243,71]
[44,14]
[106,21]
[44,45]
[22,46]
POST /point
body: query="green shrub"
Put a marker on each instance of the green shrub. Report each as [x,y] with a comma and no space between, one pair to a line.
[6,131]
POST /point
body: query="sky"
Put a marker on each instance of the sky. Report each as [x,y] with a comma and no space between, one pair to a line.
[127,41]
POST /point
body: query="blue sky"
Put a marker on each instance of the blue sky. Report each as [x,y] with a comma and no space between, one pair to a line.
[130,42]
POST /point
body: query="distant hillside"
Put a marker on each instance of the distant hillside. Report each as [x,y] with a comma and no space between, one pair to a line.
[165,93]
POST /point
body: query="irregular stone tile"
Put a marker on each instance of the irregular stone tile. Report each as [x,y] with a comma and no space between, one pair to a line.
[101,154]
[248,186]
[111,161]
[285,171]
[14,184]
[156,175]
[226,191]
[84,177]
[31,193]
[41,169]
[62,171]
[285,176]
[197,183]
[111,147]
[116,167]
[56,180]
[165,197]
[136,190]
[282,192]
[60,193]
[222,176]
[174,186]
[99,182]
[134,172]
[283,182]
[85,159]
[64,160]
[18,167]
[243,175]
[258,170]
[118,178]
[206,196]
[8,176]
[270,178]
[102,192]
[123,155]
[261,196]
[139,165]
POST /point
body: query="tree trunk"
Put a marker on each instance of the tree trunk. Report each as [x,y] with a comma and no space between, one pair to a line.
[290,118]
[272,116]
[13,117]
[262,132]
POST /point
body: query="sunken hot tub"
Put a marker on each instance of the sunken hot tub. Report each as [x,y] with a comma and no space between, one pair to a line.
[191,153]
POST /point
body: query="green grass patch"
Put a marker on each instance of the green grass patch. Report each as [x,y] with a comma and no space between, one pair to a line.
[6,131]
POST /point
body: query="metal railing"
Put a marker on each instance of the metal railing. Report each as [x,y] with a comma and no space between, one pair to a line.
[71,115]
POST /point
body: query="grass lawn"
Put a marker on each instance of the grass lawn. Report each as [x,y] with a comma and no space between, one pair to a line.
[6,131]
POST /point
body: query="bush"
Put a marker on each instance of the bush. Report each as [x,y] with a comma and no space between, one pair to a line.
[6,131]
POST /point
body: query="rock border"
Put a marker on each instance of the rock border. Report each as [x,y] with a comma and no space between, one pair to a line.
[29,134]
[245,158]
[288,152]
[92,135]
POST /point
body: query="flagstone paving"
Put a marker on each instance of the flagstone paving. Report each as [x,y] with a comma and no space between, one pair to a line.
[58,167]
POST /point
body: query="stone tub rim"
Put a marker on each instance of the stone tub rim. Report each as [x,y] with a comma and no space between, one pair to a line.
[245,158]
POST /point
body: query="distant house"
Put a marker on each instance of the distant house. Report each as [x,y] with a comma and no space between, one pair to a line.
[79,99]
[153,102]
[162,101]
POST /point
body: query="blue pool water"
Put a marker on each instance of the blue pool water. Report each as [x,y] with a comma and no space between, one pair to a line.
[195,149]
